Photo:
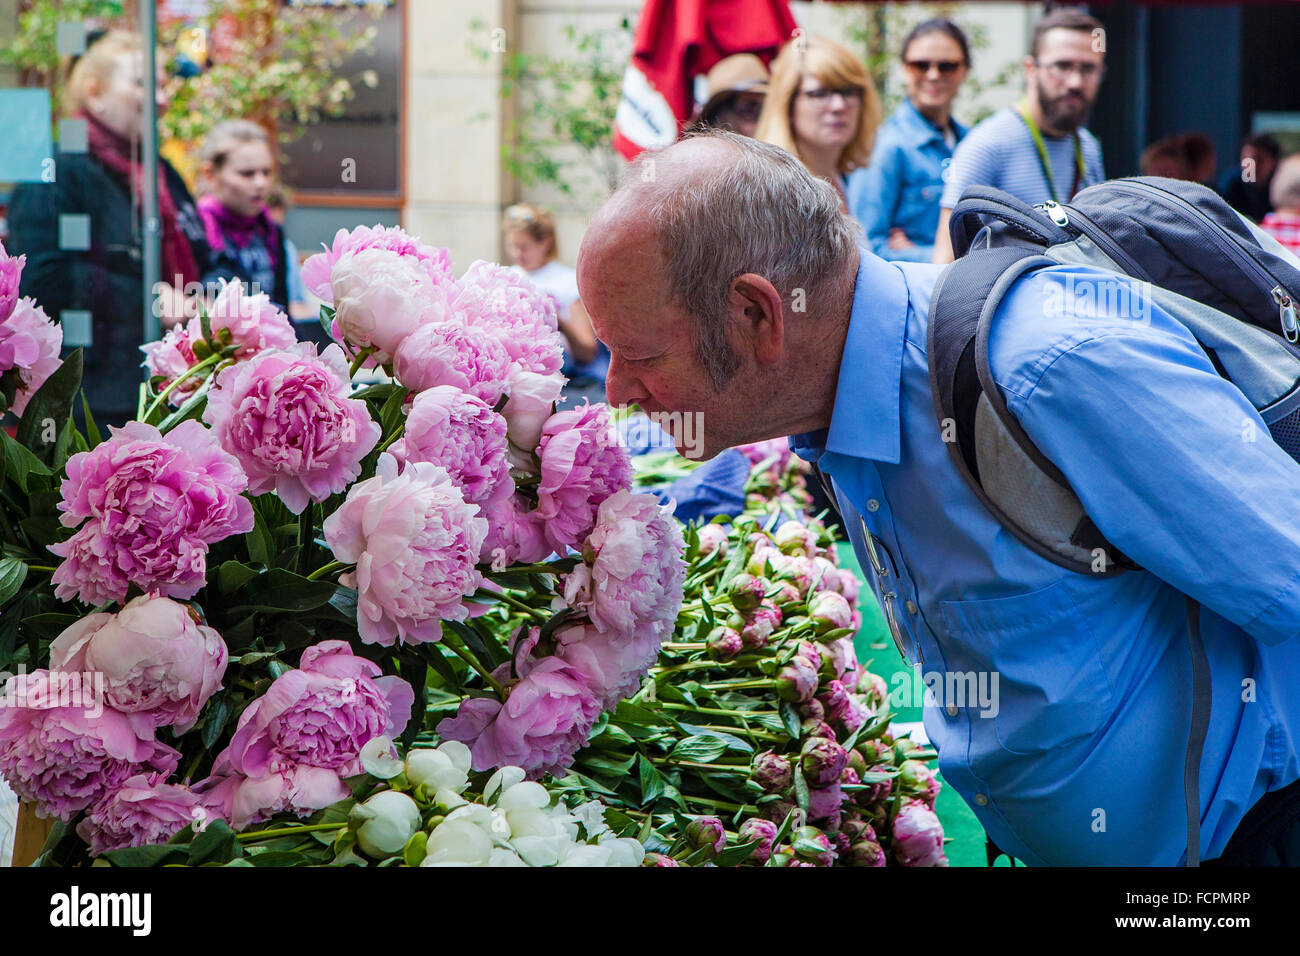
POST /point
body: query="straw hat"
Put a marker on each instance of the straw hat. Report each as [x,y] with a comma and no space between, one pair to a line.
[740,73]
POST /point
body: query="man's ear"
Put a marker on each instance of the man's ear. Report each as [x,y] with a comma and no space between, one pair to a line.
[759,315]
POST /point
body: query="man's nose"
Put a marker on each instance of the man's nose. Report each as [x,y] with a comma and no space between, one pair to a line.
[622,388]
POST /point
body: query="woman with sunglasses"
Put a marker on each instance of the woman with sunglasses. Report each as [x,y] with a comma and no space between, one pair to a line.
[896,198]
[822,107]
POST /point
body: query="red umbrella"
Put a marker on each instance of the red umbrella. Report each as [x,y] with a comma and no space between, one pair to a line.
[676,40]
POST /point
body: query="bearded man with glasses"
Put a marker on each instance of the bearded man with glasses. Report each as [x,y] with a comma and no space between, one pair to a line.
[1037,150]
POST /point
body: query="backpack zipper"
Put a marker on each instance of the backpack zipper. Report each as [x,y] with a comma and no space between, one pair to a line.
[1283,298]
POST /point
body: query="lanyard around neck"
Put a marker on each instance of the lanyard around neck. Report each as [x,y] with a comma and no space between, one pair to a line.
[1043,160]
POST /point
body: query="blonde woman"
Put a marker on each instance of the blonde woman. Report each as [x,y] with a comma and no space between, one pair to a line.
[822,107]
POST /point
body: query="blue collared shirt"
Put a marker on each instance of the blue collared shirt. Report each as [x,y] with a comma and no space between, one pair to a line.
[1080,761]
[902,186]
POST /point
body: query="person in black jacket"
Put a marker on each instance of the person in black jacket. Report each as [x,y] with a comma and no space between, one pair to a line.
[101,273]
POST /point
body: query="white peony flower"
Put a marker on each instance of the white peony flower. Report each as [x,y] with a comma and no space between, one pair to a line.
[624,851]
[586,854]
[526,794]
[501,781]
[435,770]
[379,759]
[457,753]
[391,819]
[504,857]
[592,817]
[458,843]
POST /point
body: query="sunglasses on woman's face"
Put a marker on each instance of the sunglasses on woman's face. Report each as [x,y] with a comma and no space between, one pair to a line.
[922,67]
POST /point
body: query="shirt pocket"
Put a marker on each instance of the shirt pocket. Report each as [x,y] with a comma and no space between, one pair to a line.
[1052,688]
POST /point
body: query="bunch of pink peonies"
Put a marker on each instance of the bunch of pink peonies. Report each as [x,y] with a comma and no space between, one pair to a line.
[29,341]
[628,591]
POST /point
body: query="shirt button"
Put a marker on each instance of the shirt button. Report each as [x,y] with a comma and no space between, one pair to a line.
[873,504]
[952,710]
[982,800]
[911,607]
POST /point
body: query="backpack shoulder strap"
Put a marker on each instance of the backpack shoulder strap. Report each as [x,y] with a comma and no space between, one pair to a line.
[1019,485]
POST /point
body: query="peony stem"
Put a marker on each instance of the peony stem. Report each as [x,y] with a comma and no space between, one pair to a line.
[357,362]
[203,366]
[289,831]
[519,605]
[696,665]
[305,529]
[743,731]
[398,432]
[686,646]
[722,804]
[327,569]
[464,654]
[739,685]
[718,710]
[713,767]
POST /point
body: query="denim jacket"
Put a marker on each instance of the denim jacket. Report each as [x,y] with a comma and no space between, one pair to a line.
[902,185]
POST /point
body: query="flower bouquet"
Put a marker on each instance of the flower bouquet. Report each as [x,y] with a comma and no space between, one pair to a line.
[212,610]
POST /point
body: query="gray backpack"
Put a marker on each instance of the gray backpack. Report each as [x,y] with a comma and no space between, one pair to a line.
[1233,286]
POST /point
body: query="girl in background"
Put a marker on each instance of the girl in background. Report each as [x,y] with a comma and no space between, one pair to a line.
[530,241]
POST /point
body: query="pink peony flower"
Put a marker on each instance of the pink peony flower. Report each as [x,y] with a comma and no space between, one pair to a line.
[171,357]
[582,465]
[155,504]
[776,449]
[545,719]
[64,759]
[157,661]
[514,533]
[451,428]
[524,317]
[918,837]
[380,298]
[319,715]
[241,800]
[532,401]
[252,321]
[470,358]
[824,802]
[415,541]
[29,342]
[612,664]
[316,271]
[762,832]
[11,271]
[142,811]
[634,571]
[286,416]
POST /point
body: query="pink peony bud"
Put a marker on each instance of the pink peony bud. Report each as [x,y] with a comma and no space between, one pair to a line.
[797,681]
[918,837]
[772,772]
[812,846]
[724,644]
[746,592]
[706,833]
[659,860]
[791,538]
[829,611]
[835,699]
[713,537]
[762,831]
[866,853]
[822,760]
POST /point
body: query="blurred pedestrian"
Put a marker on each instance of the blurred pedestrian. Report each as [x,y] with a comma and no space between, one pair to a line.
[1039,150]
[1164,158]
[822,107]
[1247,188]
[237,170]
[896,198]
[534,250]
[1283,223]
[301,306]
[736,88]
[82,232]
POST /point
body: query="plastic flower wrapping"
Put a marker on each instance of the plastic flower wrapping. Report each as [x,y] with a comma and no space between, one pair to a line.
[282,618]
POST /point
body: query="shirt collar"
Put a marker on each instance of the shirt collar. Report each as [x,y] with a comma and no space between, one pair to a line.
[865,419]
[922,130]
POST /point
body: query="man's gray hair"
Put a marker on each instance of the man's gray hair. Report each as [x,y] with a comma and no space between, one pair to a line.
[765,214]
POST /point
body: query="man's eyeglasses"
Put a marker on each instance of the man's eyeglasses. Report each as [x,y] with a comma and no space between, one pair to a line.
[822,95]
[1060,69]
[922,67]
[886,577]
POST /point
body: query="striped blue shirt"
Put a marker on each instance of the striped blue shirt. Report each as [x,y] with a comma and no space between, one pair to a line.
[999,152]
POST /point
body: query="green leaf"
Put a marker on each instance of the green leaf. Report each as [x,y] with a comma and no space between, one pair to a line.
[232,575]
[790,717]
[261,546]
[51,405]
[281,590]
[442,667]
[607,765]
[327,320]
[93,437]
[216,844]
[652,781]
[12,575]
[701,748]
[146,855]
[801,795]
[19,462]
[215,723]
[733,855]
[733,742]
